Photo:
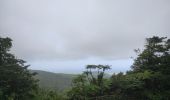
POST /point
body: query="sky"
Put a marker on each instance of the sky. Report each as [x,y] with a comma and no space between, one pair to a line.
[63,36]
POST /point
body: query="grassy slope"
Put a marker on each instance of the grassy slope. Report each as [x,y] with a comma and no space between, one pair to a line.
[57,81]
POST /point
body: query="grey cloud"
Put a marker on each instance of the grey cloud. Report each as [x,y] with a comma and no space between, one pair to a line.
[79,29]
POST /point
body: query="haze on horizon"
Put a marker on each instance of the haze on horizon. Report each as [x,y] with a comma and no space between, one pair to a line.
[65,35]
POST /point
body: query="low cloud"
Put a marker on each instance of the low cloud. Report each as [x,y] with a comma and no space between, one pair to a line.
[81,29]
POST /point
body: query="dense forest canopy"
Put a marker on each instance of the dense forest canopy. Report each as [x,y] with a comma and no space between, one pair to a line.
[148,78]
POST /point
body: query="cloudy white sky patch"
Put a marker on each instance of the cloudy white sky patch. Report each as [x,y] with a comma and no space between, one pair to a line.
[77,30]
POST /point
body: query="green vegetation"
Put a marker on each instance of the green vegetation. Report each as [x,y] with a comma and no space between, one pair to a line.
[147,80]
[16,83]
[54,81]
[87,85]
[45,94]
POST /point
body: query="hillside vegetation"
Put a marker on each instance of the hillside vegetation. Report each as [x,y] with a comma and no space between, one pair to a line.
[53,81]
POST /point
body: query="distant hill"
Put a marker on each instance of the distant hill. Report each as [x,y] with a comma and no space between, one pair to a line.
[55,81]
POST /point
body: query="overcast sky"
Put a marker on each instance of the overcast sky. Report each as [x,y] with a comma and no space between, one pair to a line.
[64,35]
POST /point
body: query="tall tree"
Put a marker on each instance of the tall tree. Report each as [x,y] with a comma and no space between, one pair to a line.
[16,82]
[150,74]
[90,84]
[155,59]
[155,56]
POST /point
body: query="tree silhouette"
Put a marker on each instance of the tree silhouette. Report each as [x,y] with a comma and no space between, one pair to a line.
[16,82]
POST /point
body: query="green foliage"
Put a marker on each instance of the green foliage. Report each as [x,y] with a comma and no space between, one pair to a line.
[155,56]
[156,59]
[148,79]
[88,85]
[16,82]
[53,81]
[150,72]
[44,94]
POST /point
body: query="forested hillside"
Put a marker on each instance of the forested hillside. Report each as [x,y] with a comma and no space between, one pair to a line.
[53,81]
[57,81]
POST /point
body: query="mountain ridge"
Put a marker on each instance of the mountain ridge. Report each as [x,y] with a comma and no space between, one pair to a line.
[57,81]
[53,81]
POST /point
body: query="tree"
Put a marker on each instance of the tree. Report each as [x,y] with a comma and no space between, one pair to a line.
[150,74]
[45,94]
[98,79]
[16,82]
[155,56]
[89,84]
[155,59]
